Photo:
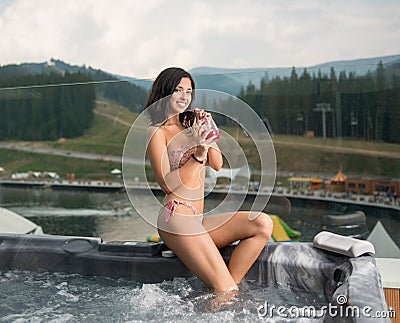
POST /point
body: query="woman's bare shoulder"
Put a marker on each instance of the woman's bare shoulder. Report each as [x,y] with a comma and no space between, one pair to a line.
[155,131]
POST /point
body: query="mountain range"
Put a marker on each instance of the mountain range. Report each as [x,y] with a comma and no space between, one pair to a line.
[229,80]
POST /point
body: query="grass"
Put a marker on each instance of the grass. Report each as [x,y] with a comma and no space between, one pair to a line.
[340,143]
[106,135]
[295,154]
[298,159]
[19,161]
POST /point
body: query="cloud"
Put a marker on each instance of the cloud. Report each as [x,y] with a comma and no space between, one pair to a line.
[139,38]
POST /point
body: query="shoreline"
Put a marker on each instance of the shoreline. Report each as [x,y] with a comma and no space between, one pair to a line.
[113,186]
[95,185]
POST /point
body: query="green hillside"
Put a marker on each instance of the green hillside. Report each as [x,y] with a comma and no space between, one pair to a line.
[299,155]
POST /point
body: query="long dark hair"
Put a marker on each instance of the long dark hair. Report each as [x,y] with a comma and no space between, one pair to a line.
[163,86]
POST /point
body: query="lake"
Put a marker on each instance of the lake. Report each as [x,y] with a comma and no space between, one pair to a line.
[59,297]
[110,215]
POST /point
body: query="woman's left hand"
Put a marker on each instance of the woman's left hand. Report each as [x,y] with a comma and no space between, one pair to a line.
[200,113]
[203,136]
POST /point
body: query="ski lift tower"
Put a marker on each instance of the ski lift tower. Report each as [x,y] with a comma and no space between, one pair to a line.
[324,108]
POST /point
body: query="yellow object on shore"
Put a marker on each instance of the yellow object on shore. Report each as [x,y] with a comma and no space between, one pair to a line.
[282,231]
[278,232]
[154,238]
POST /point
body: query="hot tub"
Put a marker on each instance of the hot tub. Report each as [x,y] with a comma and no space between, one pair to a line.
[350,288]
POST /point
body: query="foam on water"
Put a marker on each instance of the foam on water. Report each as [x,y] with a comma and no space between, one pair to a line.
[58,211]
[55,297]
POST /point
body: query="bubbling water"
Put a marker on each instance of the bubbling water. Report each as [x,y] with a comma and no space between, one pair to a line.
[56,297]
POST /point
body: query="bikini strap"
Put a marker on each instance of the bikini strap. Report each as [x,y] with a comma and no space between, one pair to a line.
[170,206]
[169,209]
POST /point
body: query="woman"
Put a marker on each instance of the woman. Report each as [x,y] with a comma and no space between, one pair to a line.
[178,152]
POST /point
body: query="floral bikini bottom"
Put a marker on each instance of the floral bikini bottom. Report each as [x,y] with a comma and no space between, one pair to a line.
[170,207]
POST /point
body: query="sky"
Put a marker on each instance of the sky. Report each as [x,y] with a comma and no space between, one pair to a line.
[139,38]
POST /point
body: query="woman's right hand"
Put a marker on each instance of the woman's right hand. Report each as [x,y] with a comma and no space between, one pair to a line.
[201,152]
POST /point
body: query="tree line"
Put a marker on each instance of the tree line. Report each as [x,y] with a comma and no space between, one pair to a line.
[39,102]
[345,105]
[125,93]
[45,106]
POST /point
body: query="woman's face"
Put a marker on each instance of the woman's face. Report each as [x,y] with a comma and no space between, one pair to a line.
[181,97]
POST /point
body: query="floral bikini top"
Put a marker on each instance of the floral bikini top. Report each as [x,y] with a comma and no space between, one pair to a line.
[178,157]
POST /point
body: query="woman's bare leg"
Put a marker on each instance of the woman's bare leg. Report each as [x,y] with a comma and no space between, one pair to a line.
[253,229]
[196,250]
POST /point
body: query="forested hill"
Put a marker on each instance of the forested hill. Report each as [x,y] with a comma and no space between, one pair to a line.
[363,107]
[108,86]
[38,107]
[47,101]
